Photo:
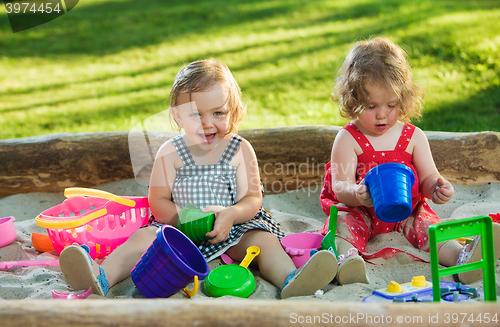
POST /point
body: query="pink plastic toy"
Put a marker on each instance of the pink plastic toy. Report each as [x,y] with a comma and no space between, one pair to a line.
[7,231]
[10,264]
[72,296]
[299,246]
[226,259]
[99,219]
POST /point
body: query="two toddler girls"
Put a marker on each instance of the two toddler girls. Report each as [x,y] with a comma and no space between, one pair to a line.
[210,166]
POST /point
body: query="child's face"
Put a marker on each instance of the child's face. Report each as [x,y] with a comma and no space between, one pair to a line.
[382,109]
[204,116]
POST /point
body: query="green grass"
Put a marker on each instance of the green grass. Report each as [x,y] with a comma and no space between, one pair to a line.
[108,65]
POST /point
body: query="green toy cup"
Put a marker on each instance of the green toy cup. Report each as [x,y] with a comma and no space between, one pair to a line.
[195,223]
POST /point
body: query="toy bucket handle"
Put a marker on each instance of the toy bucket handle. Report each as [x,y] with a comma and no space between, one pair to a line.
[192,292]
[75,191]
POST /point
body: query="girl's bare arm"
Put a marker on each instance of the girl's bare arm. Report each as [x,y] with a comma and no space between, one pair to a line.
[249,195]
[160,186]
[432,184]
[344,163]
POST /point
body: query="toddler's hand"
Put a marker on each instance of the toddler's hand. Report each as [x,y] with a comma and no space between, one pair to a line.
[443,192]
[363,195]
[223,223]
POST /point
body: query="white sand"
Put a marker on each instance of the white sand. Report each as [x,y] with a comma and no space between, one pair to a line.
[297,211]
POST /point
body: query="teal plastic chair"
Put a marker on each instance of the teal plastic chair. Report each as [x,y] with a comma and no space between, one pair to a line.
[481,225]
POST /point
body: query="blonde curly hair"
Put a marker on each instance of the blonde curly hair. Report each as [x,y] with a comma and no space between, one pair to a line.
[381,62]
[200,76]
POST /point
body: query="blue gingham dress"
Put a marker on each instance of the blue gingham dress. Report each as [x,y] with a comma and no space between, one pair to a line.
[204,185]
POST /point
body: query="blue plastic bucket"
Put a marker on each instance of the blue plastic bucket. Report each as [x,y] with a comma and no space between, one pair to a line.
[390,188]
[169,265]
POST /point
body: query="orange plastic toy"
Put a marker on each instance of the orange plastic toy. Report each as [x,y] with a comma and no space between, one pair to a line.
[42,242]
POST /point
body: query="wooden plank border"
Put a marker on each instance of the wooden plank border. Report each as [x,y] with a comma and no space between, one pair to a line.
[289,158]
[241,312]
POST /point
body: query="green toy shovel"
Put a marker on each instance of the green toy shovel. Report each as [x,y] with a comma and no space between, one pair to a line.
[329,239]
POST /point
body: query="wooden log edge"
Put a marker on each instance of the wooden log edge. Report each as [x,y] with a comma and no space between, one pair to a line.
[289,157]
[240,312]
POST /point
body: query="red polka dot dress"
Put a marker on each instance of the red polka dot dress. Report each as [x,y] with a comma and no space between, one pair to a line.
[357,225]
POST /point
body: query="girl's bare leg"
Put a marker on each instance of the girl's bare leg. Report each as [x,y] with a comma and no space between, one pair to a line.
[274,264]
[123,259]
[82,273]
[343,246]
[448,253]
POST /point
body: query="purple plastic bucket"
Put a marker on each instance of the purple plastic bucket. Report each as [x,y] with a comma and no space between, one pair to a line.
[144,283]
[172,285]
[390,188]
[163,269]
[169,265]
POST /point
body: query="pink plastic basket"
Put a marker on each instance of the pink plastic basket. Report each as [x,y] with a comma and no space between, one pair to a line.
[99,219]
